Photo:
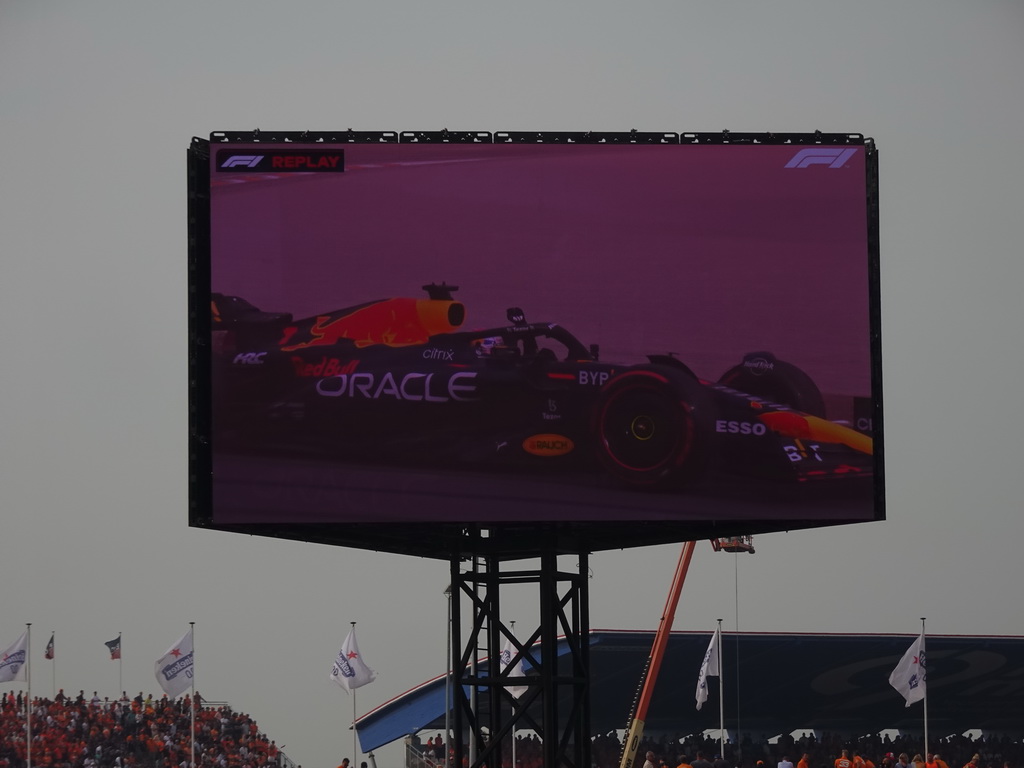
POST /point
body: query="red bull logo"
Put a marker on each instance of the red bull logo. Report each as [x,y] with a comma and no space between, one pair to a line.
[326,366]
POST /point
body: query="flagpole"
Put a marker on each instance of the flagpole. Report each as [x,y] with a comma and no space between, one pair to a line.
[192,633]
[738,745]
[924,664]
[28,696]
[448,684]
[721,695]
[514,701]
[53,668]
[120,663]
[354,754]
[350,672]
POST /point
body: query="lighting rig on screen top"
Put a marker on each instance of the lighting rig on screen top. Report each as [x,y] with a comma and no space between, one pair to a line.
[734,544]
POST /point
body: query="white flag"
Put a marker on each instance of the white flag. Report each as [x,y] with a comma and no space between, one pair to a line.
[174,669]
[710,668]
[13,659]
[909,676]
[517,671]
[349,670]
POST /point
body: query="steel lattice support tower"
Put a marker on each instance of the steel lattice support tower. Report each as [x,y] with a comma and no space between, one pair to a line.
[556,704]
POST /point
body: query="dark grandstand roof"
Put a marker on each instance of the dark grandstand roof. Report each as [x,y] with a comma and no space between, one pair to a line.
[773,683]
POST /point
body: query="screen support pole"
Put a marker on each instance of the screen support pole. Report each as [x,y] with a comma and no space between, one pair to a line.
[555,659]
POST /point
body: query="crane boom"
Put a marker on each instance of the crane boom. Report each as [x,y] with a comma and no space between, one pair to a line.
[636,728]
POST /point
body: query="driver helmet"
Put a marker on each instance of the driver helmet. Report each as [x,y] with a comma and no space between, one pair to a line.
[490,346]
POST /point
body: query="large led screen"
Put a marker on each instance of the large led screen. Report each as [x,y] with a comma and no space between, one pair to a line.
[509,329]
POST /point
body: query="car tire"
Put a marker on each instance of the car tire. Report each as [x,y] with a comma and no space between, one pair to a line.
[652,427]
[763,375]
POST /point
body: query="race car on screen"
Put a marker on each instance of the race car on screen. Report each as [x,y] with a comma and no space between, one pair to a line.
[400,380]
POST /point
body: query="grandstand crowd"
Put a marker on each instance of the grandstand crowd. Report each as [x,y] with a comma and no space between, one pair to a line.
[146,732]
[140,732]
[827,751]
[871,751]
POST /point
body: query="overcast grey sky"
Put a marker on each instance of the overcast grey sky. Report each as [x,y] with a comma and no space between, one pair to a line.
[98,103]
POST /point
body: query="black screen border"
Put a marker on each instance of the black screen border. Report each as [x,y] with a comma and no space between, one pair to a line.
[506,540]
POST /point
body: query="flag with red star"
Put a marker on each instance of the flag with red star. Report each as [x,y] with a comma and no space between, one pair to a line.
[48,653]
[174,670]
[909,676]
[349,670]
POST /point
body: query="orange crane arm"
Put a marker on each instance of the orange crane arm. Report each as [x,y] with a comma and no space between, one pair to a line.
[636,728]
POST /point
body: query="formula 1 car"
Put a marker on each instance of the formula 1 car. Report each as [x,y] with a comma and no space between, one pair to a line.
[400,380]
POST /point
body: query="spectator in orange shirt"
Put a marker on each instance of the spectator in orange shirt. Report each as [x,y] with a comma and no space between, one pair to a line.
[805,761]
[844,761]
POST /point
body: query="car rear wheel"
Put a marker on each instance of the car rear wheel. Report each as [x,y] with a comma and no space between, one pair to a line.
[763,375]
[652,425]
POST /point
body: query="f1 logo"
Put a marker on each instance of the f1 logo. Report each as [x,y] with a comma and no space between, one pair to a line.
[833,157]
[245,161]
